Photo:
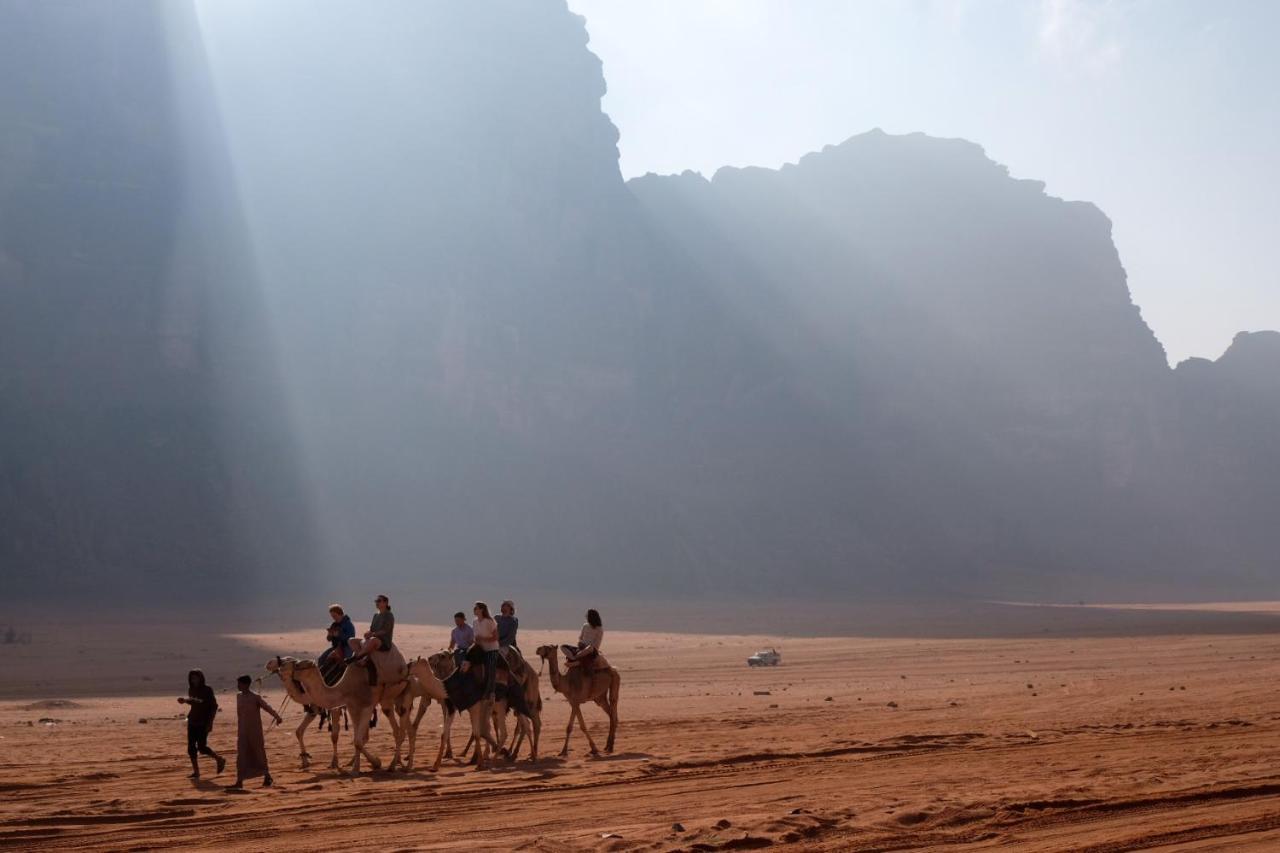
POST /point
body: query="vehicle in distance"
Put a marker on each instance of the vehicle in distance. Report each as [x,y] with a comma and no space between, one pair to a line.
[767,657]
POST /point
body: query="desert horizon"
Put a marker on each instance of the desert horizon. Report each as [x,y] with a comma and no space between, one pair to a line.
[1075,740]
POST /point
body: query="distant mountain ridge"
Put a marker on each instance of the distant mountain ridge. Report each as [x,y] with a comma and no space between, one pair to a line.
[396,317]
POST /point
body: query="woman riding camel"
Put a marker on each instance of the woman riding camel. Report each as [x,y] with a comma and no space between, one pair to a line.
[486,632]
[377,637]
[380,629]
[589,640]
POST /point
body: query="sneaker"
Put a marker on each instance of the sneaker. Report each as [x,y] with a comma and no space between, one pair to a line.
[222,764]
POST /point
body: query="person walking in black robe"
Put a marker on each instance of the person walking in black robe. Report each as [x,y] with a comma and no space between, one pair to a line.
[204,707]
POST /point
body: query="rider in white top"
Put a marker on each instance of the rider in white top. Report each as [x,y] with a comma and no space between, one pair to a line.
[589,640]
[486,630]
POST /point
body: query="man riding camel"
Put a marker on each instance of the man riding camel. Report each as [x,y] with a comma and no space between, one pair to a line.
[508,625]
[460,638]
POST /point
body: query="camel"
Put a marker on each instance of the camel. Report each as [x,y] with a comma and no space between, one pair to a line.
[600,686]
[442,665]
[354,692]
[425,686]
[309,704]
[526,729]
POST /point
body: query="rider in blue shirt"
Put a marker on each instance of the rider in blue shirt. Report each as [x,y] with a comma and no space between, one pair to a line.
[340,635]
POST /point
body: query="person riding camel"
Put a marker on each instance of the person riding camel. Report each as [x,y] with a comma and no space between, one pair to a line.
[486,634]
[340,634]
[377,637]
[589,640]
[460,638]
[508,625]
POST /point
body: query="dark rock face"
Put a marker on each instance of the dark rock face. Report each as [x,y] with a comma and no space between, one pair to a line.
[393,314]
[930,312]
[1229,412]
[130,328]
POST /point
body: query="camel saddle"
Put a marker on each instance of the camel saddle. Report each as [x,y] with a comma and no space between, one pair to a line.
[593,662]
[389,666]
[513,659]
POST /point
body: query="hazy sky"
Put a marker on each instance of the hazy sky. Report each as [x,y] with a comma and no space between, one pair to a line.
[1165,113]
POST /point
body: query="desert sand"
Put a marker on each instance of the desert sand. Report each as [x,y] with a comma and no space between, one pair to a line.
[1167,741]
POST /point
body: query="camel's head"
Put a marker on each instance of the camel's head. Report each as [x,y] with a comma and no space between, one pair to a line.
[283,665]
[545,652]
[442,664]
[276,664]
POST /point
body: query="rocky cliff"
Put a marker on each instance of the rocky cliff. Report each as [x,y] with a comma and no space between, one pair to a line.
[384,304]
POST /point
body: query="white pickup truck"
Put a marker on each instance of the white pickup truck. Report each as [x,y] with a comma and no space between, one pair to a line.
[767,657]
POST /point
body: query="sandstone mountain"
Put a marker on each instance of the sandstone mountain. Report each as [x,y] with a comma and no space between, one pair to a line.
[366,300]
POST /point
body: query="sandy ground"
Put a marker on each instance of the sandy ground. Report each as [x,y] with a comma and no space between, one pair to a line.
[1168,742]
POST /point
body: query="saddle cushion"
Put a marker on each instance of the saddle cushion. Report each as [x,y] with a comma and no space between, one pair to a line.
[390,665]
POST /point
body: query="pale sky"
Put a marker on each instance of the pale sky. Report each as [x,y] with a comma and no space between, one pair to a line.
[1165,113]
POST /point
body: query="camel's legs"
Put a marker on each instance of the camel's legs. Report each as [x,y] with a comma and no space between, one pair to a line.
[478,717]
[613,727]
[390,714]
[334,731]
[499,717]
[444,739]
[612,711]
[413,730]
[302,744]
[396,714]
[500,724]
[361,738]
[486,746]
[573,714]
[522,734]
[615,686]
[585,730]
[358,736]
[445,733]
[448,736]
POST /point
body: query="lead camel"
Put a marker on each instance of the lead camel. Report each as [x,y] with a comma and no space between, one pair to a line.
[600,686]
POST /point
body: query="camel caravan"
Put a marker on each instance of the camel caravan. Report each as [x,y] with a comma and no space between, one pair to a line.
[482,673]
